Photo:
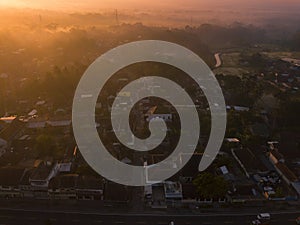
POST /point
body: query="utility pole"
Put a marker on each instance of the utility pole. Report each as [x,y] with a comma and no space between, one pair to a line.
[117,17]
[3,85]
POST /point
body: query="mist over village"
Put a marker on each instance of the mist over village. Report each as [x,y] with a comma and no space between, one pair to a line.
[48,48]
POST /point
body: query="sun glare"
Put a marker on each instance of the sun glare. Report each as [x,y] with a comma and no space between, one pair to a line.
[12,3]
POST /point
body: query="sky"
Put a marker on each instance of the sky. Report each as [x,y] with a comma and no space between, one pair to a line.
[153,4]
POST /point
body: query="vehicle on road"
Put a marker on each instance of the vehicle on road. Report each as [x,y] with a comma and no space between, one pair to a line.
[255,222]
[260,222]
[264,216]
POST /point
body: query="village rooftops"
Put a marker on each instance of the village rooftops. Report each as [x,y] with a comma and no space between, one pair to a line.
[237,108]
[173,190]
[38,124]
[160,109]
[277,155]
[42,172]
[8,119]
[89,182]
[9,132]
[286,172]
[25,178]
[64,181]
[116,192]
[232,140]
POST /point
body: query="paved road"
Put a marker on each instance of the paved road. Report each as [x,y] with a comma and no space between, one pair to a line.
[39,217]
[218,60]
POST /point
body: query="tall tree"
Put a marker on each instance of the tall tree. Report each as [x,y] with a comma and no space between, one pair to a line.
[210,186]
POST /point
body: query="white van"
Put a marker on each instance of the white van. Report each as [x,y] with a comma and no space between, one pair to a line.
[264,216]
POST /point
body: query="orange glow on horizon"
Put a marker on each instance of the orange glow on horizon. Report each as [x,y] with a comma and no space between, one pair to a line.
[170,4]
[12,3]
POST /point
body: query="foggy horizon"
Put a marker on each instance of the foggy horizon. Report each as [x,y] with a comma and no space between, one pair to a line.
[91,5]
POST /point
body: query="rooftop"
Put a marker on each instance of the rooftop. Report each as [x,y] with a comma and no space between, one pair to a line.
[8,119]
[64,181]
[276,154]
[116,192]
[250,161]
[75,181]
[286,172]
[10,132]
[42,171]
[89,182]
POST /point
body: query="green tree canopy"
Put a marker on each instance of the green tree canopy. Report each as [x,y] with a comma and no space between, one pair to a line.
[44,145]
[210,186]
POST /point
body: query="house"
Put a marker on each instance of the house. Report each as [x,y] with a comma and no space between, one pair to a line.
[173,190]
[91,188]
[282,169]
[59,123]
[67,186]
[238,108]
[156,112]
[10,178]
[114,192]
[40,177]
[287,175]
[32,113]
[24,185]
[50,124]
[231,143]
[40,103]
[12,131]
[158,196]
[63,186]
[166,117]
[296,186]
[33,124]
[233,140]
[8,119]
[224,171]
[189,193]
[65,167]
[163,194]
